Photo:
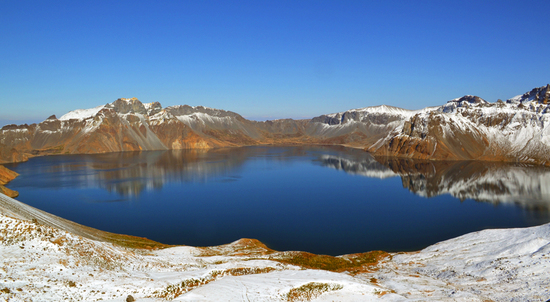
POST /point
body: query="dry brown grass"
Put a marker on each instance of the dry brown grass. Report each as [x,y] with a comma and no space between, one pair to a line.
[311,291]
[133,241]
[354,263]
[241,247]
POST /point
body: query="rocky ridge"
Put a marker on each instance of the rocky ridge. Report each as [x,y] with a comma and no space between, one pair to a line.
[465,128]
[471,128]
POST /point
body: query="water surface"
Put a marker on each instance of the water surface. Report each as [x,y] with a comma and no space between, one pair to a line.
[327,200]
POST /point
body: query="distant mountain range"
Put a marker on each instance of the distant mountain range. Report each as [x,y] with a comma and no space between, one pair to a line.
[467,128]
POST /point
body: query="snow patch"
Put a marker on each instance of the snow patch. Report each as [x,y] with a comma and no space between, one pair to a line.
[81,114]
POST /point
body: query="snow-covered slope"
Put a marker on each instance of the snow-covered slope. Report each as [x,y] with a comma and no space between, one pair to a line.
[471,128]
[359,127]
[81,114]
[491,265]
[43,260]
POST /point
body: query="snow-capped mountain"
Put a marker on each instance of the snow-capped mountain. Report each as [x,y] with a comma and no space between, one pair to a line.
[471,128]
[124,125]
[463,129]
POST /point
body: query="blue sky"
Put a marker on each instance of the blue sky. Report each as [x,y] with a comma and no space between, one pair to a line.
[266,59]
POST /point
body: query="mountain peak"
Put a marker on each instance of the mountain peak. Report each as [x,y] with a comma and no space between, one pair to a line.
[540,95]
[132,105]
[153,108]
[464,101]
[121,105]
[472,99]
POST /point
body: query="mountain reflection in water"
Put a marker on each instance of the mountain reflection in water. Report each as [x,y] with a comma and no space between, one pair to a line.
[494,182]
[130,173]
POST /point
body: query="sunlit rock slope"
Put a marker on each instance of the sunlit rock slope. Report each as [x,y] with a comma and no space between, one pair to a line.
[6,176]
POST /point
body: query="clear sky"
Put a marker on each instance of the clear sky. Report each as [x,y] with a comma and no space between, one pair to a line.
[267,59]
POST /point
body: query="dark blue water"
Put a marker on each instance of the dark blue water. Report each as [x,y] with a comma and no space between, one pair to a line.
[326,200]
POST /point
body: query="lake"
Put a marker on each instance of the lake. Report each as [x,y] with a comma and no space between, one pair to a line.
[324,200]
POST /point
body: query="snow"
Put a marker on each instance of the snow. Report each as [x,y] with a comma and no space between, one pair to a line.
[148,105]
[21,130]
[81,114]
[521,133]
[503,265]
[161,117]
[48,264]
[515,99]
[382,109]
[203,118]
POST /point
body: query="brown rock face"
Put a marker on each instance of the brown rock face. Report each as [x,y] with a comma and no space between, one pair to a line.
[132,105]
[11,155]
[7,175]
[8,192]
[434,137]
[176,135]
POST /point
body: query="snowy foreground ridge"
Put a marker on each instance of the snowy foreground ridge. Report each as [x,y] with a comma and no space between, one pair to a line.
[40,262]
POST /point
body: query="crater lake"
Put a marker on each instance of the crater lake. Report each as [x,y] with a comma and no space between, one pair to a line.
[324,200]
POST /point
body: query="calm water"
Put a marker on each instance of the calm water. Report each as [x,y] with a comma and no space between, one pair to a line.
[326,200]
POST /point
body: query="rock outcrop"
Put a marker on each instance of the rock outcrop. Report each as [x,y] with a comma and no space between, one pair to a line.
[7,175]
